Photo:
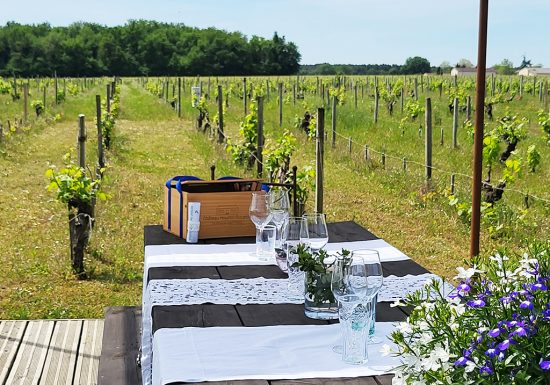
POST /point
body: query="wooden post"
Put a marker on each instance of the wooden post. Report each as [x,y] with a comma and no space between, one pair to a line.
[213,172]
[376,103]
[294,94]
[267,92]
[25,103]
[317,86]
[350,143]
[280,85]
[319,160]
[402,97]
[260,147]
[55,89]
[546,95]
[367,155]
[208,89]
[441,133]
[1,132]
[244,97]
[81,141]
[220,114]
[469,108]
[453,184]
[521,85]
[14,85]
[44,98]
[383,159]
[534,86]
[493,84]
[428,138]
[64,88]
[179,97]
[355,94]
[294,189]
[100,153]
[333,120]
[404,164]
[108,100]
[455,123]
[415,88]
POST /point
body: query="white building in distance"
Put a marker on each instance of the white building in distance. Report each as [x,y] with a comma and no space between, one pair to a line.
[464,71]
[530,71]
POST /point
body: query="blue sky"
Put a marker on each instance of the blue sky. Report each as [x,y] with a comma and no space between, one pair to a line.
[334,31]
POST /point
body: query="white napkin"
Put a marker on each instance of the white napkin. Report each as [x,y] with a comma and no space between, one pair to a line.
[270,352]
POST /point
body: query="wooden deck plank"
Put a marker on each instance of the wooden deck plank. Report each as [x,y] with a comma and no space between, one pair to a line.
[62,352]
[31,355]
[117,365]
[11,333]
[89,353]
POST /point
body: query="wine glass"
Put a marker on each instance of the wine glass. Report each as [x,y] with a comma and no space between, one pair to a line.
[349,286]
[315,230]
[260,215]
[279,205]
[375,278]
[259,210]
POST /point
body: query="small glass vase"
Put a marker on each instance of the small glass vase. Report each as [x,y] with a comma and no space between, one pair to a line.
[319,302]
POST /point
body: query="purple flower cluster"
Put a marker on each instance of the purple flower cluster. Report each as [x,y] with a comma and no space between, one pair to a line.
[524,312]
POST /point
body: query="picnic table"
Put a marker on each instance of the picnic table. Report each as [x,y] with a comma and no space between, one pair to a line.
[170,262]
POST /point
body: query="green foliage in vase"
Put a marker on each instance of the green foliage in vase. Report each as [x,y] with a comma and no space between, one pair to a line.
[317,267]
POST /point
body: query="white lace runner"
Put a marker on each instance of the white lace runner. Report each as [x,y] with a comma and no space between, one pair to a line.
[168,292]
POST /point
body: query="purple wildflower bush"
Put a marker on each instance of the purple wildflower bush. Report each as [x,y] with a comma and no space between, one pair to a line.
[493,329]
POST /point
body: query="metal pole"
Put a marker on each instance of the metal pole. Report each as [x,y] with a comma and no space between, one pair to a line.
[478,135]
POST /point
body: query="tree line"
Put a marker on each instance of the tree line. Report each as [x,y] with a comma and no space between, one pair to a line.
[413,65]
[139,48]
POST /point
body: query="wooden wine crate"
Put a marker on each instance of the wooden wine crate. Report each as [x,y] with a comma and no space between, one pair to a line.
[224,207]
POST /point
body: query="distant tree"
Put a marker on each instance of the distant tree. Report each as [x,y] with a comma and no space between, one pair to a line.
[505,67]
[445,67]
[416,65]
[464,63]
[140,47]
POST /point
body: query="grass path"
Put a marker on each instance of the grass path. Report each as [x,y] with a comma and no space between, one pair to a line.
[35,281]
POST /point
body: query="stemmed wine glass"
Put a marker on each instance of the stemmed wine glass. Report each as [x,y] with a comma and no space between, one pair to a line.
[260,214]
[279,205]
[375,277]
[314,229]
[349,286]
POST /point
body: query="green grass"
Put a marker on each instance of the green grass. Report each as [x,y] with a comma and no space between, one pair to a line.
[151,145]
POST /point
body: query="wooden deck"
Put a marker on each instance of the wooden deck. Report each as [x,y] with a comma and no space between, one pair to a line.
[50,352]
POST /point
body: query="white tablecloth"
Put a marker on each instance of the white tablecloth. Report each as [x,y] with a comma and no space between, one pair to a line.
[224,255]
[269,352]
